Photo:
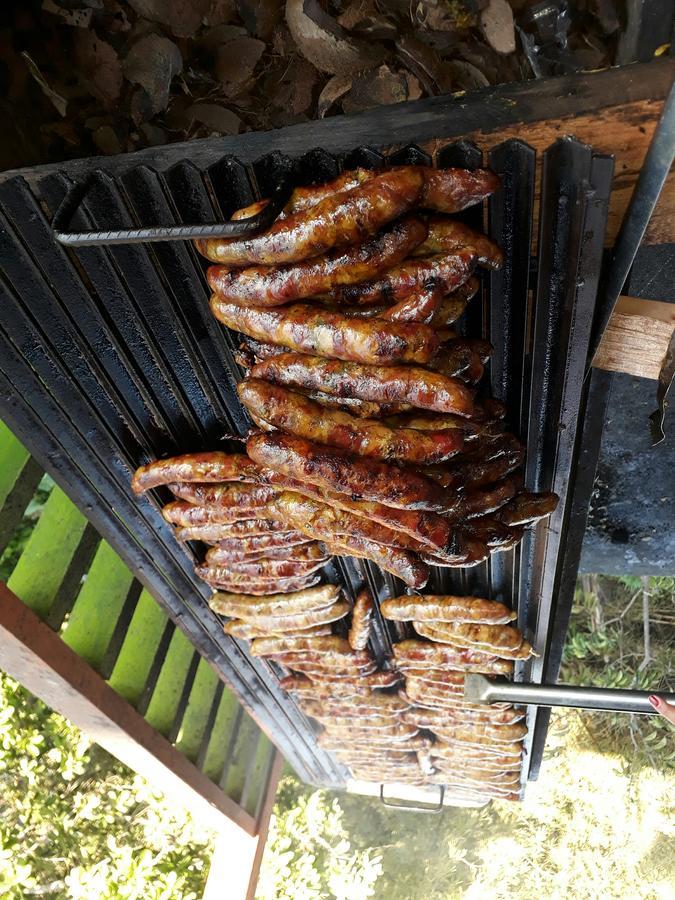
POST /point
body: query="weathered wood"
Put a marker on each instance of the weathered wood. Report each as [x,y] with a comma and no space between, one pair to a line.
[19,478]
[636,338]
[615,110]
[33,654]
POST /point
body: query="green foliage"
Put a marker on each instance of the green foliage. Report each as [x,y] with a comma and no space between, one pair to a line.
[76,823]
[308,854]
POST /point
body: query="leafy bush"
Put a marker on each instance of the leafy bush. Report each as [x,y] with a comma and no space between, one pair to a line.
[76,823]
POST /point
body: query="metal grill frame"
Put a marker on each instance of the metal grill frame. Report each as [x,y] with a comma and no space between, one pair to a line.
[111,357]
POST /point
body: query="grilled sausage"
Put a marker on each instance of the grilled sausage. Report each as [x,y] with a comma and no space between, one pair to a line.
[526,508]
[401,563]
[337,470]
[264,286]
[362,616]
[211,466]
[291,411]
[311,550]
[235,497]
[475,473]
[262,587]
[432,719]
[241,606]
[346,217]
[298,623]
[396,384]
[448,271]
[401,733]
[494,734]
[450,235]
[415,654]
[273,568]
[453,305]
[500,640]
[333,645]
[186,515]
[311,330]
[247,631]
[447,609]
[255,544]
[212,534]
[421,306]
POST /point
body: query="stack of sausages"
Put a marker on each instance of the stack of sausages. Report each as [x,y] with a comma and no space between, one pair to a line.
[362,395]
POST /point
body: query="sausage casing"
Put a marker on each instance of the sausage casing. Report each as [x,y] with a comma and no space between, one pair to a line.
[240,605]
[446,609]
[211,466]
[362,617]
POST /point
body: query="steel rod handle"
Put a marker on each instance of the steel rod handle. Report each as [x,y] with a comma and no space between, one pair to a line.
[479,689]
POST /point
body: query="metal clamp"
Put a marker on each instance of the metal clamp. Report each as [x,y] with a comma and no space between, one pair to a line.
[415,807]
[237,228]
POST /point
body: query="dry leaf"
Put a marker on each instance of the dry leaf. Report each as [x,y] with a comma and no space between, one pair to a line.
[216,118]
[497,23]
[60,103]
[235,62]
[425,64]
[364,18]
[324,43]
[219,12]
[106,140]
[444,15]
[379,87]
[181,17]
[99,64]
[335,87]
[261,16]
[152,62]
[293,92]
[466,76]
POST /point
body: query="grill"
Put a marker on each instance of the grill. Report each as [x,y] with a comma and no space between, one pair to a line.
[110,357]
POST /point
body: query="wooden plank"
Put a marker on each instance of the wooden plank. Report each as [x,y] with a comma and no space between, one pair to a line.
[263,818]
[37,657]
[166,695]
[538,111]
[48,554]
[19,478]
[138,650]
[98,605]
[196,717]
[637,337]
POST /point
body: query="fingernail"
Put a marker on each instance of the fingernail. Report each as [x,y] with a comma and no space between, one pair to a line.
[654,700]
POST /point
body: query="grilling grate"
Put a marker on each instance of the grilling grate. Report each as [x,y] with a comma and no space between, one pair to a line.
[110,357]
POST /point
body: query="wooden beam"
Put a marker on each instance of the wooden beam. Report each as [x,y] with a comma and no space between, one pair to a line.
[35,656]
[637,337]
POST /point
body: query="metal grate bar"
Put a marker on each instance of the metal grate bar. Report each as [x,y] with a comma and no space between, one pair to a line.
[184,698]
[208,728]
[121,628]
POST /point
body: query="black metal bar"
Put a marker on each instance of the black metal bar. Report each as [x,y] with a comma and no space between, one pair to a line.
[234,734]
[208,728]
[119,634]
[77,195]
[184,698]
[17,500]
[252,749]
[265,783]
[72,580]
[155,668]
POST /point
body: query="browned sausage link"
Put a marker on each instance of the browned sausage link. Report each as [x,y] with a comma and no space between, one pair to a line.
[438,679]
[334,645]
[241,606]
[486,762]
[398,384]
[383,704]
[364,409]
[211,466]
[423,303]
[375,724]
[231,581]
[247,631]
[260,542]
[415,654]
[468,552]
[442,718]
[453,305]
[476,473]
[362,617]
[492,532]
[401,734]
[263,588]
[310,550]
[476,502]
[450,235]
[446,609]
[271,286]
[346,217]
[526,508]
[224,496]
[452,190]
[495,734]
[399,282]
[403,564]
[296,624]
[337,470]
[339,707]
[413,743]
[273,568]
[309,329]
[507,643]
[214,534]
[291,411]
[311,667]
[186,515]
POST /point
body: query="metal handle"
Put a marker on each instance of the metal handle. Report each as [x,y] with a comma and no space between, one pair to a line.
[237,228]
[415,807]
[479,689]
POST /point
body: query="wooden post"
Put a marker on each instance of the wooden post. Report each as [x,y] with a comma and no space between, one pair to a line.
[35,656]
[637,337]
